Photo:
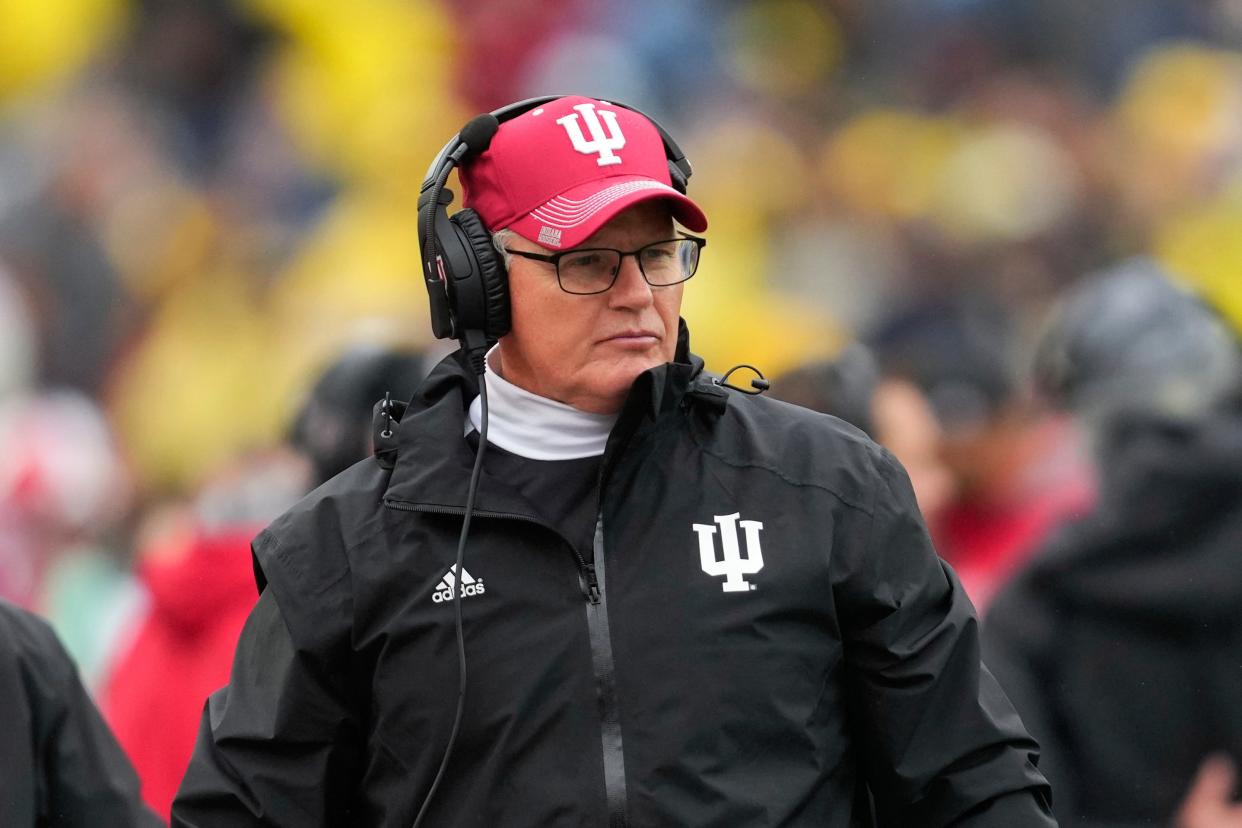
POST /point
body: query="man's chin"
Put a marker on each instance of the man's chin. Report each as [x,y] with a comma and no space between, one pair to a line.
[627,367]
[620,374]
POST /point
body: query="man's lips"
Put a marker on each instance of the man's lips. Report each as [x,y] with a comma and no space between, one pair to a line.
[633,338]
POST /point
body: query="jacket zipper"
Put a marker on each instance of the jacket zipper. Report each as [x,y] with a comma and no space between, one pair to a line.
[606,685]
[592,581]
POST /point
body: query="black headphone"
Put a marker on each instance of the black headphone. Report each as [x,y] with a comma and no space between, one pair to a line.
[464,272]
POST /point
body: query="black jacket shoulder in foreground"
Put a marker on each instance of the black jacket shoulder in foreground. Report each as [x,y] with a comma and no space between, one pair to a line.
[59,763]
[761,633]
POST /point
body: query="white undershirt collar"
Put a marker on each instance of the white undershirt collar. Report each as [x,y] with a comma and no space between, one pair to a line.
[536,427]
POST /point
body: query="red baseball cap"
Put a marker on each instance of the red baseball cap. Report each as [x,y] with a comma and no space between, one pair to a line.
[557,173]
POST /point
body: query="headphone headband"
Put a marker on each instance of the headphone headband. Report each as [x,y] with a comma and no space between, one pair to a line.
[680,168]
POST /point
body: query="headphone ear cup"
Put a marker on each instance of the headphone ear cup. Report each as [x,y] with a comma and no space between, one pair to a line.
[678,176]
[494,281]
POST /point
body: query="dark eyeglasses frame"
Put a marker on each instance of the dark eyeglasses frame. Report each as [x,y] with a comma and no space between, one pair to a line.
[554,259]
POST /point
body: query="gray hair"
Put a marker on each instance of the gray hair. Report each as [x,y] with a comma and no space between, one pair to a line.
[500,239]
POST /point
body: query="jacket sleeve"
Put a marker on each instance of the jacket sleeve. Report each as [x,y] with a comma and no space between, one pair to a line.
[70,771]
[280,744]
[939,742]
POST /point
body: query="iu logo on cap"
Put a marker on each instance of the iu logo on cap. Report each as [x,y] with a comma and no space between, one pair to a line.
[731,564]
[602,142]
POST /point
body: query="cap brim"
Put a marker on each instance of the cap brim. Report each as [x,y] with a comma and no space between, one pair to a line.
[570,218]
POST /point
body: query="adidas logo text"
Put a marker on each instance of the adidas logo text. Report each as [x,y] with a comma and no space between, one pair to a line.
[470,587]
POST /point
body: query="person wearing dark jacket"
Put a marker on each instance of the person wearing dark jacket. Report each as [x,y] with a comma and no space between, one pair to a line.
[680,604]
[332,428]
[60,766]
[1120,643]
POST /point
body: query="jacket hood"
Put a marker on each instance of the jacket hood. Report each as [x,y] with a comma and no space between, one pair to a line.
[1162,544]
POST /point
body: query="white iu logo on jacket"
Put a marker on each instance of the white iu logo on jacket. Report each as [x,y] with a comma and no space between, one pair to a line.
[730,563]
[601,142]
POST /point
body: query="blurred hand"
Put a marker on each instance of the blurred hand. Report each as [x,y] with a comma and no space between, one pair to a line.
[1209,803]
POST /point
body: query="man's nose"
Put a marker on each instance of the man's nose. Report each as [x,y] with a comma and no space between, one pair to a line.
[631,288]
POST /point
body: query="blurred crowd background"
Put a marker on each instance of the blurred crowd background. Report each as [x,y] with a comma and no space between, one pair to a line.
[204,203]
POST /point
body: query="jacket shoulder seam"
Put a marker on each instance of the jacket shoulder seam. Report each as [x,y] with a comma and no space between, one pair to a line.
[272,540]
[741,464]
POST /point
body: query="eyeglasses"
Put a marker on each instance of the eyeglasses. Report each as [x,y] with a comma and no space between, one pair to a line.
[589,270]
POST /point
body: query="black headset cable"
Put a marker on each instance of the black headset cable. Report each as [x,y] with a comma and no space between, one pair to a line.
[461,638]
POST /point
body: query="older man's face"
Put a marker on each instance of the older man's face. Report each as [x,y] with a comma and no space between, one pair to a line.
[586,351]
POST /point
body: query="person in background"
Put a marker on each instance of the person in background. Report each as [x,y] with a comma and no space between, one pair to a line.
[60,766]
[197,569]
[891,410]
[199,587]
[1120,641]
[1016,473]
[64,502]
[332,430]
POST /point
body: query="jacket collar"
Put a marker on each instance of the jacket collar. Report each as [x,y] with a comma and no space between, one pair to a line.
[434,460]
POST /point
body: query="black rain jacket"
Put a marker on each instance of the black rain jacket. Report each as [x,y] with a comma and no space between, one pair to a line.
[60,765]
[761,627]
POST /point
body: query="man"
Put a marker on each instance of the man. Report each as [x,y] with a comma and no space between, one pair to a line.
[1121,639]
[59,763]
[682,605]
